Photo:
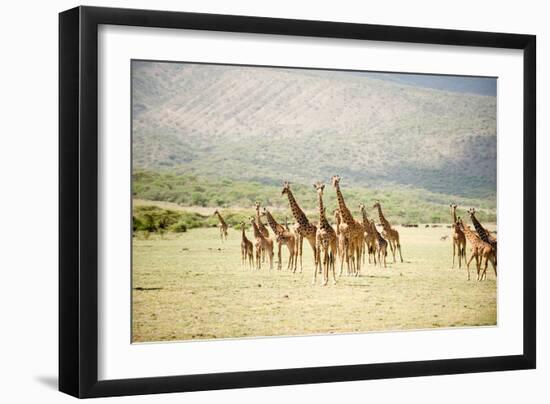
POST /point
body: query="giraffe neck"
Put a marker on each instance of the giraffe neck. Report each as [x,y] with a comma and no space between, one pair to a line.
[346,214]
[258,217]
[220,218]
[454,215]
[257,233]
[337,220]
[276,227]
[376,232]
[243,234]
[383,220]
[474,239]
[480,229]
[366,222]
[298,213]
[323,222]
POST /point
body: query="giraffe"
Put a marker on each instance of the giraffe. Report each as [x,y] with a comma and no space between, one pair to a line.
[480,250]
[262,243]
[391,234]
[370,236]
[381,244]
[353,231]
[459,240]
[259,222]
[303,228]
[325,241]
[283,236]
[247,250]
[261,226]
[343,247]
[483,233]
[223,226]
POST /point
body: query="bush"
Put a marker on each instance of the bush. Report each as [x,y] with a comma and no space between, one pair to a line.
[179,227]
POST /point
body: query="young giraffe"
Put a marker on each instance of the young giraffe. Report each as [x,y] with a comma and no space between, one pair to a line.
[353,231]
[459,240]
[391,234]
[325,241]
[483,233]
[370,236]
[381,245]
[247,250]
[262,243]
[303,228]
[283,236]
[343,247]
[261,226]
[480,250]
[223,226]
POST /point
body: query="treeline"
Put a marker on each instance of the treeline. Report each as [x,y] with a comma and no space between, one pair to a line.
[154,219]
[400,205]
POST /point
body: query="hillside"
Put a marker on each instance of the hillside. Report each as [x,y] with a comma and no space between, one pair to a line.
[270,125]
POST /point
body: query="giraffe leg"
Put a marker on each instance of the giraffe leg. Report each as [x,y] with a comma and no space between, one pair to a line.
[454,253]
[326,265]
[317,262]
[341,254]
[399,247]
[484,275]
[358,253]
[279,257]
[392,248]
[468,263]
[333,263]
[301,253]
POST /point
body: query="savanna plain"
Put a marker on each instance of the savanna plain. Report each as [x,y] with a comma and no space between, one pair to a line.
[192,286]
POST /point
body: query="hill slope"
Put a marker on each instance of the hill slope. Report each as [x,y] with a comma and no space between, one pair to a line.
[270,125]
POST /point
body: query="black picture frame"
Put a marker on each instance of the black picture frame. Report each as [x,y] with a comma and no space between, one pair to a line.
[78,200]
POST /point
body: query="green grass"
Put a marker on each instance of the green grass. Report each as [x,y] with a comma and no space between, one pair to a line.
[191,286]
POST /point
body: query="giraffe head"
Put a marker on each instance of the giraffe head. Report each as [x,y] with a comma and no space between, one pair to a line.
[252,220]
[376,205]
[215,213]
[453,207]
[242,225]
[335,180]
[362,207]
[471,212]
[286,187]
[320,187]
[257,206]
[264,211]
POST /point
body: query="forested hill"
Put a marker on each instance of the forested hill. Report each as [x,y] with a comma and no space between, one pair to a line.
[270,125]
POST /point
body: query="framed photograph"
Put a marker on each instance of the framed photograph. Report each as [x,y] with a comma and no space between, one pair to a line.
[250,201]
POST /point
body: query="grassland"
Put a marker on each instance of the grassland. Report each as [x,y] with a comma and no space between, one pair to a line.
[191,286]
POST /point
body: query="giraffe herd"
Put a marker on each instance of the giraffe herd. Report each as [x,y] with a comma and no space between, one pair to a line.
[483,244]
[349,240]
